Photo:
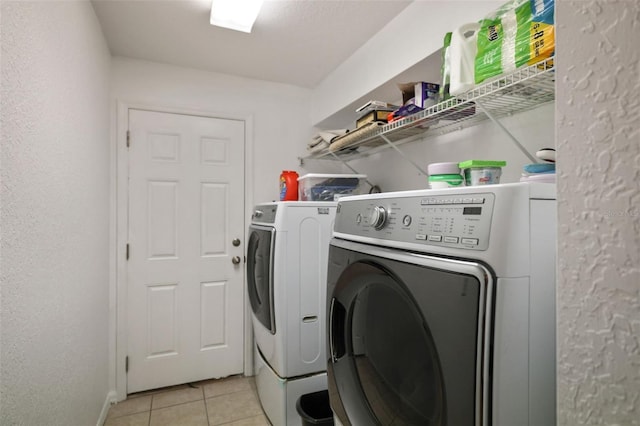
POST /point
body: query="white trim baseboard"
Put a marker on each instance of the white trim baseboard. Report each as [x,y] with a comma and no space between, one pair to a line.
[110,399]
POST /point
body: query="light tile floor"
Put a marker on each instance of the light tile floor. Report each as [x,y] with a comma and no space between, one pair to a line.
[232,401]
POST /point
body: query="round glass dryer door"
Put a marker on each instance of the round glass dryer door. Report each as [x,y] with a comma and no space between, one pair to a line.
[404,344]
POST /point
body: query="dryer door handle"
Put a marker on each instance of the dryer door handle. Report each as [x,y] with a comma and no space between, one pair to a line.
[337,345]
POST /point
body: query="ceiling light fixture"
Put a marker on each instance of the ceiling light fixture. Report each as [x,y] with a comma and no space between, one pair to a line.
[237,15]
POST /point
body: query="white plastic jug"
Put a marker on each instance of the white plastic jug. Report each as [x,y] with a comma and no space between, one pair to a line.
[462,57]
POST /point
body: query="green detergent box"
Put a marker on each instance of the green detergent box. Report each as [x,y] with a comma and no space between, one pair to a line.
[481,172]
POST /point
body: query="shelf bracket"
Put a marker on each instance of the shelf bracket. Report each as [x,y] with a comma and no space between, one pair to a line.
[507,132]
[399,151]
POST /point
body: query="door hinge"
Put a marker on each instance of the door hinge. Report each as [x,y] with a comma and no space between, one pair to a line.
[126,364]
[127,255]
[128,138]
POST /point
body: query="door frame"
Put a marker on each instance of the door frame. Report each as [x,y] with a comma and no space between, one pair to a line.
[119,232]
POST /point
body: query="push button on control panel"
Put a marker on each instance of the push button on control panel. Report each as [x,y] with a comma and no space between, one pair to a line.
[470,241]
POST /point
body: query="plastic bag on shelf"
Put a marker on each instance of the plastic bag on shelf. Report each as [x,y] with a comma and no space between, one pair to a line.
[521,32]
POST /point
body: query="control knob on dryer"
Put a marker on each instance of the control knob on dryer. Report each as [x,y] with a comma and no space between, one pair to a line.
[378,217]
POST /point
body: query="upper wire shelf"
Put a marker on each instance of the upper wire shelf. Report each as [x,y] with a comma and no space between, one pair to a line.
[523,90]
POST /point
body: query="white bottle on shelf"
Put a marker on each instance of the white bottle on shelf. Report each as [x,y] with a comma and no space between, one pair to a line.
[462,57]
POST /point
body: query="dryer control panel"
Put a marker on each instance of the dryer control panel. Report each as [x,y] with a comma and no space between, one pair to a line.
[457,221]
[264,213]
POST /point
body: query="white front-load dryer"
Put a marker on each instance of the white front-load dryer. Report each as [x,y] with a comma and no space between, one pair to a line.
[286,276]
[441,307]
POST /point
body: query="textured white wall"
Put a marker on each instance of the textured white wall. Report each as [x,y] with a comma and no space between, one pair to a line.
[280,112]
[598,142]
[55,212]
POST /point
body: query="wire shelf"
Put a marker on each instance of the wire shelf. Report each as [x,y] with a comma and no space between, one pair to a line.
[523,90]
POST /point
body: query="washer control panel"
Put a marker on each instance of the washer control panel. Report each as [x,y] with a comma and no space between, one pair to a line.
[462,221]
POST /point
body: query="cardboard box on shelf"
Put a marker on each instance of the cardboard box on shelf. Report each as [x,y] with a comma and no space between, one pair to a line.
[423,94]
[402,112]
[374,115]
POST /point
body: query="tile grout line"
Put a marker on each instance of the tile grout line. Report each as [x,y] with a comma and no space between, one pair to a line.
[206,410]
[150,410]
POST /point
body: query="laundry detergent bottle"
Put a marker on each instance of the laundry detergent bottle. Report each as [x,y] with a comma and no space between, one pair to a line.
[288,185]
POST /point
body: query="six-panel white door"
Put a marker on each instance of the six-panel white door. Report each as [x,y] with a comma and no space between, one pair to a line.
[185,284]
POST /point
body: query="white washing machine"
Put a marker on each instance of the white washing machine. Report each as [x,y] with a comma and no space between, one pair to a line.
[441,307]
[286,275]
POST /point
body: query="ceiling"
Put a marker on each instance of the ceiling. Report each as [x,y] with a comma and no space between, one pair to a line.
[296,42]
